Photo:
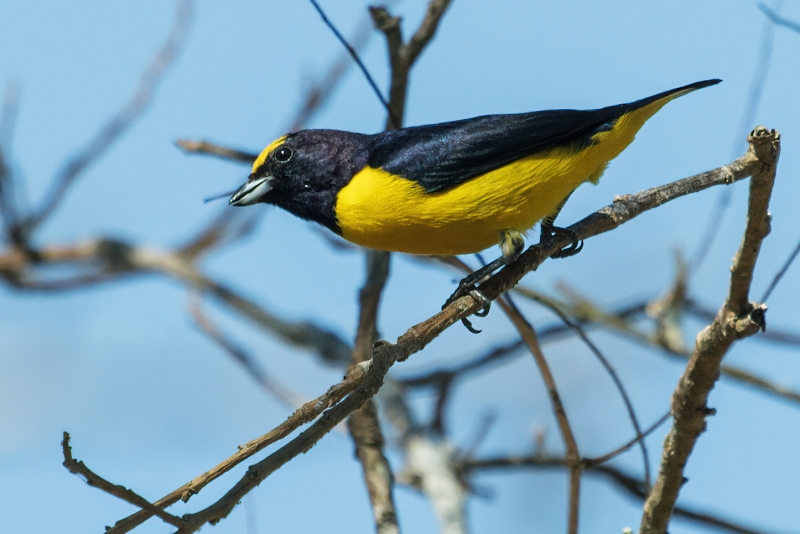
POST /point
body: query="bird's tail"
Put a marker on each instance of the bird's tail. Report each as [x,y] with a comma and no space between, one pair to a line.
[666,96]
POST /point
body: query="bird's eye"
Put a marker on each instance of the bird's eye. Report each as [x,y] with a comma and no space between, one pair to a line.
[283,154]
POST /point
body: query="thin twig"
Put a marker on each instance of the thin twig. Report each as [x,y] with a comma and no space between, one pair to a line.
[781,272]
[315,99]
[622,480]
[590,313]
[552,306]
[306,413]
[11,205]
[227,227]
[782,337]
[737,318]
[8,200]
[572,457]
[775,18]
[240,356]
[481,433]
[614,377]
[113,257]
[589,462]
[120,123]
[212,149]
[403,55]
[320,92]
[363,424]
[500,354]
[394,119]
[77,467]
[757,84]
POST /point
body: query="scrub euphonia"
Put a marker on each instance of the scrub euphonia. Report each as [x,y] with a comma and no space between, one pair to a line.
[451,188]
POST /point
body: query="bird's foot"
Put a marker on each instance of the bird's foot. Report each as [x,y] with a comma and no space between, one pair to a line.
[468,287]
[566,252]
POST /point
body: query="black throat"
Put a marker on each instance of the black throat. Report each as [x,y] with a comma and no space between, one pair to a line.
[325,161]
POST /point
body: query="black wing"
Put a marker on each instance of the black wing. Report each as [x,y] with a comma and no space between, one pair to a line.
[441,156]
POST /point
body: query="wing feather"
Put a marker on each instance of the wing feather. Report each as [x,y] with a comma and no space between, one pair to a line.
[442,156]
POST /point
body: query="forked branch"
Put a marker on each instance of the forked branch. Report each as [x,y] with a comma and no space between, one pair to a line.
[738,318]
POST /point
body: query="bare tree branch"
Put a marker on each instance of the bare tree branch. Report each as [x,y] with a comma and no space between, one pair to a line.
[213,149]
[77,467]
[589,462]
[395,121]
[758,220]
[366,432]
[112,257]
[8,201]
[240,356]
[738,318]
[430,467]
[363,424]
[572,457]
[781,272]
[226,228]
[776,19]
[757,84]
[589,313]
[384,356]
[320,92]
[617,382]
[622,480]
[112,130]
[306,413]
[403,55]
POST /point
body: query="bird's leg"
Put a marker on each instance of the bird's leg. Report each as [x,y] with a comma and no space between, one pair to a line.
[511,245]
[549,230]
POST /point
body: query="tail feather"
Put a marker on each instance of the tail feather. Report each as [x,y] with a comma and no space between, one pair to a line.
[672,93]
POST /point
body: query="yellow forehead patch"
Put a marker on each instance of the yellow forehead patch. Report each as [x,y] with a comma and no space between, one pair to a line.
[267,151]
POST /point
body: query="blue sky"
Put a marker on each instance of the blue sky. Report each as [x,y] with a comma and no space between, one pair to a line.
[151,403]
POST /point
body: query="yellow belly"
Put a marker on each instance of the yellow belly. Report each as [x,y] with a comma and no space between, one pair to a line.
[386,212]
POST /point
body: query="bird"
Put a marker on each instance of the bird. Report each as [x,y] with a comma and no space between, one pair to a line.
[450,188]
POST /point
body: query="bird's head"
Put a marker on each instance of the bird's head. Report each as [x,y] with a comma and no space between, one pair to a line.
[269,168]
[303,172]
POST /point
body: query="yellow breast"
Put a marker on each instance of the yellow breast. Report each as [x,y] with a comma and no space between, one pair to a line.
[387,212]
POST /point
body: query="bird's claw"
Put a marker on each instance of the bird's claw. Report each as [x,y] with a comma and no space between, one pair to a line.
[468,325]
[566,252]
[575,247]
[483,300]
[463,290]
